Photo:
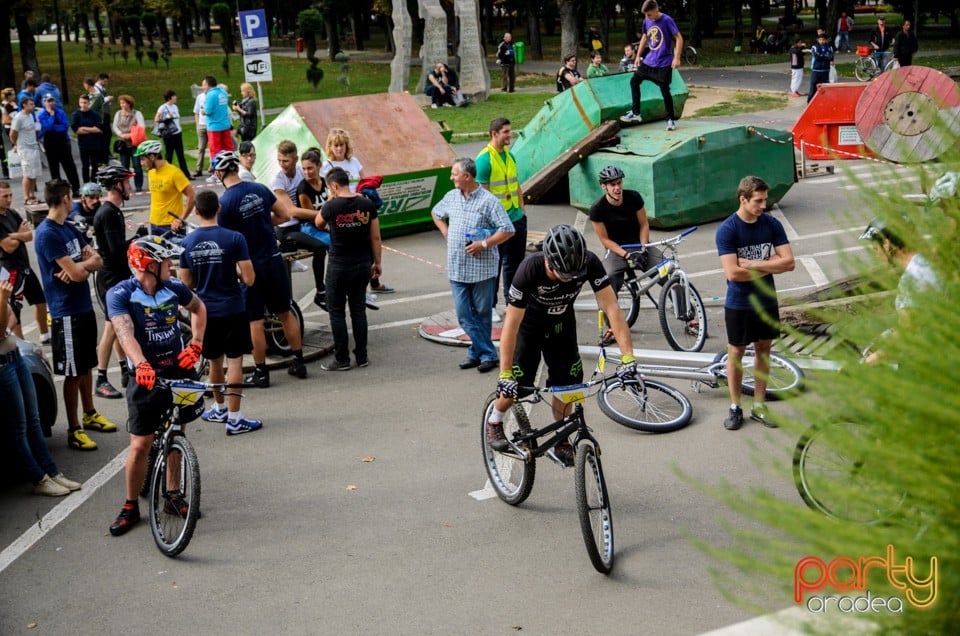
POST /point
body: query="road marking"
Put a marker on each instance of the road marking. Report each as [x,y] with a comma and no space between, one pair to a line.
[61,511]
[792,234]
[814,270]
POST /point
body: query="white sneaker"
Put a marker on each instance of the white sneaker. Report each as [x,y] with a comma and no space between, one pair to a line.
[495,317]
[297,266]
[631,118]
[671,125]
[69,484]
[433,105]
[50,488]
[212,179]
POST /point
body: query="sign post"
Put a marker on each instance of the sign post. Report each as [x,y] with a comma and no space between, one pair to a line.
[255,42]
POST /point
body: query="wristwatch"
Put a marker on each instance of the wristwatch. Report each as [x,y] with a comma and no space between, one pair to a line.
[483,243]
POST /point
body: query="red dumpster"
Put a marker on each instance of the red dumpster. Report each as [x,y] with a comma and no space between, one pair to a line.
[827,128]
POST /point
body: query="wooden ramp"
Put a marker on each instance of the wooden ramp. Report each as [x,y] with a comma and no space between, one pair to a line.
[540,183]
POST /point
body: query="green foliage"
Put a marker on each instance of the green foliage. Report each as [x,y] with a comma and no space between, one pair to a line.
[311,25]
[314,73]
[344,60]
[139,55]
[223,16]
[891,430]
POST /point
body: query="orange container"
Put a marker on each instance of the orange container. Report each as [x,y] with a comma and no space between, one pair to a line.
[863,51]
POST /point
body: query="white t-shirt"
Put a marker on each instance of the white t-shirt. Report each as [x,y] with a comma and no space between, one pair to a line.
[917,276]
[26,127]
[170,110]
[351,165]
[289,185]
[246,175]
[198,110]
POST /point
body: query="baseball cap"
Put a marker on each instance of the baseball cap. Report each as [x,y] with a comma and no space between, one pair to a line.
[49,97]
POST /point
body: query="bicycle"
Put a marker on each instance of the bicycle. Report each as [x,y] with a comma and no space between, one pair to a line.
[513,470]
[683,317]
[867,65]
[690,55]
[172,482]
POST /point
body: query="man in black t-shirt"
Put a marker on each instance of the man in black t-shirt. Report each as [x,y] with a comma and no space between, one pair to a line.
[354,257]
[14,234]
[110,229]
[540,321]
[619,218]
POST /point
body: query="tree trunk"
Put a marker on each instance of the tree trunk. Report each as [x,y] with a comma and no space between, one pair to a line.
[98,26]
[330,20]
[28,46]
[7,74]
[568,27]
[831,17]
[534,43]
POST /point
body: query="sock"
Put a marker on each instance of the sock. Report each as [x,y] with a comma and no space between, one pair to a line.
[101,374]
[497,416]
[91,412]
[220,407]
[734,407]
[234,416]
[297,355]
[131,503]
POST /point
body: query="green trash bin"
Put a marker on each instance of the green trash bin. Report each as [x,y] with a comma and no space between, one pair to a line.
[520,50]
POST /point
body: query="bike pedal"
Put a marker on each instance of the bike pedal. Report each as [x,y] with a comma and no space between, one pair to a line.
[552,457]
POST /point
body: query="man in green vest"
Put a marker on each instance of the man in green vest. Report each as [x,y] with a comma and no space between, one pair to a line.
[497,172]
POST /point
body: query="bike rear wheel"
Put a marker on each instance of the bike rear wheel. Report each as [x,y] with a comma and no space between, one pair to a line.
[645,405]
[593,507]
[865,69]
[783,380]
[683,317]
[832,476]
[273,329]
[510,475]
[172,522]
[690,55]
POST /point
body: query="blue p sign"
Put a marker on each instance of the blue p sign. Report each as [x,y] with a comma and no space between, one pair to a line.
[253,24]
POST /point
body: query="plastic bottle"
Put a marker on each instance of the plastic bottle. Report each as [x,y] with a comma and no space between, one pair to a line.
[478,235]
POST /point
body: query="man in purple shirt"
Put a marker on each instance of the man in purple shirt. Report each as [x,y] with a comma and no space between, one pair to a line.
[656,61]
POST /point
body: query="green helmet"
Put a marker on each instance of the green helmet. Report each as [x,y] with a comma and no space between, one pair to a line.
[90,190]
[149,147]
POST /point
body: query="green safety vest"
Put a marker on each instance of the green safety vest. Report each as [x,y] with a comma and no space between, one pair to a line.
[503,179]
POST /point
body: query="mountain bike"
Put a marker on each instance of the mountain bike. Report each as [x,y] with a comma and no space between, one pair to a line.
[867,65]
[683,318]
[172,483]
[690,55]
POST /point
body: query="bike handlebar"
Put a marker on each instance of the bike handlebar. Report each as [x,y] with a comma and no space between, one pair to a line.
[670,241]
[196,385]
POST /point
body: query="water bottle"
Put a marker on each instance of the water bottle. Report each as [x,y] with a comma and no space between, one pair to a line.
[478,235]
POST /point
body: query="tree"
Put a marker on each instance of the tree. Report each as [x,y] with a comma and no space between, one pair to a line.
[22,13]
[534,44]
[223,16]
[568,27]
[7,74]
[311,25]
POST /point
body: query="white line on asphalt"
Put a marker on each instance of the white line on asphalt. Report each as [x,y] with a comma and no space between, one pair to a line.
[814,270]
[61,511]
[792,235]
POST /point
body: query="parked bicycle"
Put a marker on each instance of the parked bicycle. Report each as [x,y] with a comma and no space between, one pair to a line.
[172,484]
[867,65]
[683,318]
[690,55]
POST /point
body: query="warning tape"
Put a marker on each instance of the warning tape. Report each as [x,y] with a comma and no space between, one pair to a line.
[416,258]
[753,130]
[852,155]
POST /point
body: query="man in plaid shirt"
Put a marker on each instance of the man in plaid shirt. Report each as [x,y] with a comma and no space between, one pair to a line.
[474,223]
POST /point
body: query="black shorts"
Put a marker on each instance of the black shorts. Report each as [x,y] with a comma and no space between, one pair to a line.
[227,335]
[554,338]
[32,289]
[746,326]
[271,289]
[74,340]
[147,408]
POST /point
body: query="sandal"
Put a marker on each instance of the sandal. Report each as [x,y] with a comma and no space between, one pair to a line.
[31,201]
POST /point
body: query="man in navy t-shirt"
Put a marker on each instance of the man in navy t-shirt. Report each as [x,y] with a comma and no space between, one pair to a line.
[753,247]
[212,256]
[66,261]
[658,53]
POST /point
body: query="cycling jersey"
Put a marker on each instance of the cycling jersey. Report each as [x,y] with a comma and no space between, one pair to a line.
[155,325]
[533,290]
[109,227]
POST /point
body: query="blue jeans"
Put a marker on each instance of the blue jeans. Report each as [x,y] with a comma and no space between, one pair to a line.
[347,285]
[19,400]
[473,302]
[844,41]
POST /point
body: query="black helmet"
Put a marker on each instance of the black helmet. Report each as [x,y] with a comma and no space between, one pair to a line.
[611,174]
[225,161]
[877,230]
[566,251]
[111,176]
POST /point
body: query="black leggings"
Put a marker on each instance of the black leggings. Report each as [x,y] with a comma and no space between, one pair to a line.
[293,236]
[174,143]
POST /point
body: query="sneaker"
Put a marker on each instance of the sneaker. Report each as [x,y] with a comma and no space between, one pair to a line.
[98,422]
[494,316]
[297,368]
[297,266]
[50,488]
[105,390]
[671,125]
[260,377]
[495,437]
[760,413]
[382,289]
[333,365]
[372,302]
[45,339]
[242,426]
[213,414]
[79,440]
[433,105]
[363,363]
[795,94]
[564,452]
[631,118]
[69,484]
[175,504]
[128,517]
[734,419]
[320,300]
[212,179]
[124,376]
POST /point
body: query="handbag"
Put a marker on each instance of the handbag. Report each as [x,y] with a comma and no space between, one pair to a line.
[833,74]
[138,135]
[166,128]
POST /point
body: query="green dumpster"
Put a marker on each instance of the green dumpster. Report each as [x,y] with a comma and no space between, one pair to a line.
[520,49]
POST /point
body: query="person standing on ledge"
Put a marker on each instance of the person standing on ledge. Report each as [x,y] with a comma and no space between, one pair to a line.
[659,31]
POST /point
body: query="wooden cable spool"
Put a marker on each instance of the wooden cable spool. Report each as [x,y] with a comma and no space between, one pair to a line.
[910,114]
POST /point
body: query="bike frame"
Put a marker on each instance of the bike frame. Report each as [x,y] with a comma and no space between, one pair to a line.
[663,270]
[561,430]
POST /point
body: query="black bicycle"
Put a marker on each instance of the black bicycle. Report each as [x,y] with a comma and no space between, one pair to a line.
[172,483]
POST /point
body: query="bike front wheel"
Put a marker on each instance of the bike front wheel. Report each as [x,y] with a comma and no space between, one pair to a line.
[511,475]
[683,317]
[593,507]
[645,405]
[783,379]
[865,69]
[833,476]
[174,505]
[690,55]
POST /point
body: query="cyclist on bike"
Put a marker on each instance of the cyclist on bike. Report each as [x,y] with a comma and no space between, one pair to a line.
[143,310]
[620,218]
[540,321]
[110,228]
[917,276]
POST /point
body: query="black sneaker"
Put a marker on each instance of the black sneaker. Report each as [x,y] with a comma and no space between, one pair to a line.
[734,419]
[260,377]
[297,369]
[320,300]
[105,390]
[128,517]
[495,437]
[363,363]
[333,365]
[175,504]
[564,452]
